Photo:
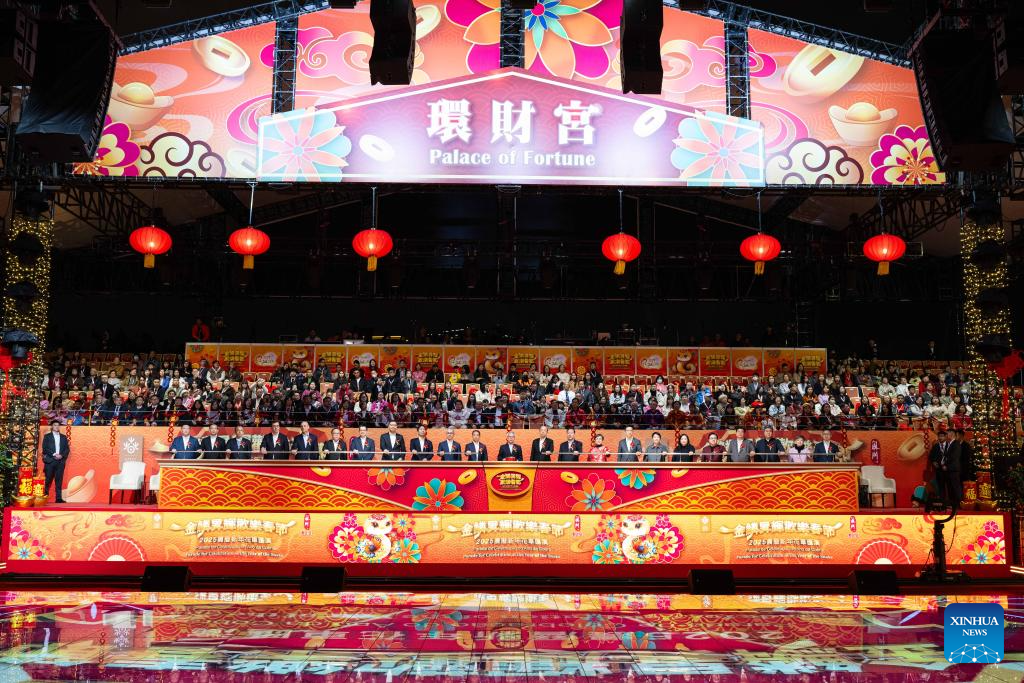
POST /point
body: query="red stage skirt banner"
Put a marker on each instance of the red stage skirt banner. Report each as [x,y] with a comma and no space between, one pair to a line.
[46,540]
[903,454]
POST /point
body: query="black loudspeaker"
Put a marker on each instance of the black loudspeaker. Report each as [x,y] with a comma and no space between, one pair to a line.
[874,582]
[640,46]
[19,34]
[394,41]
[63,116]
[712,582]
[963,111]
[166,579]
[1008,49]
[323,579]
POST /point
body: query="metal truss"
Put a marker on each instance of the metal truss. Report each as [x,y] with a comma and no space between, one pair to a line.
[908,215]
[285,41]
[110,209]
[1015,171]
[229,21]
[737,70]
[512,48]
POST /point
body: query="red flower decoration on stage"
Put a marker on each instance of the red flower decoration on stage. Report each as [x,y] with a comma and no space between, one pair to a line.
[593,495]
[386,477]
[437,495]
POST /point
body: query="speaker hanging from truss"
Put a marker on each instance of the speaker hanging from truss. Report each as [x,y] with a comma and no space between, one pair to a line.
[394,41]
[640,46]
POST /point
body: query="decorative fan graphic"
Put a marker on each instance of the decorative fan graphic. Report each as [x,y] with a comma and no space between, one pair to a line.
[882,552]
[117,549]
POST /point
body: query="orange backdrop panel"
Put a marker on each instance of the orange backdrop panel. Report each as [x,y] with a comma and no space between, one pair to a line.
[197,352]
[390,355]
[715,362]
[583,356]
[523,358]
[457,356]
[266,357]
[332,355]
[779,361]
[426,356]
[684,360]
[813,360]
[493,357]
[620,360]
[746,362]
[234,354]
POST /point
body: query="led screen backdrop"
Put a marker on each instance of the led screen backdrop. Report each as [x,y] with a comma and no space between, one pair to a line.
[189,109]
[831,117]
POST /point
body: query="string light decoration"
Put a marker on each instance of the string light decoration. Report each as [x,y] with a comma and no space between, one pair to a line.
[19,426]
[993,437]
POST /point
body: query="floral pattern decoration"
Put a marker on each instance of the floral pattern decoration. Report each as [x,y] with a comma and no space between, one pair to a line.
[349,541]
[437,495]
[662,543]
[709,150]
[988,548]
[436,622]
[308,147]
[116,154]
[905,157]
[385,477]
[635,478]
[593,494]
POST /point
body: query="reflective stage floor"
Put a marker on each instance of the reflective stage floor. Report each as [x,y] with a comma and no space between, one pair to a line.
[504,638]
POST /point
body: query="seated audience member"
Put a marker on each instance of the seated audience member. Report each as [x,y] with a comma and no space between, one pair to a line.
[600,452]
[768,448]
[449,449]
[826,450]
[740,449]
[185,446]
[656,450]
[713,451]
[476,451]
[510,450]
[629,446]
[274,445]
[212,446]
[334,448]
[392,444]
[684,450]
[421,448]
[572,448]
[304,445]
[238,447]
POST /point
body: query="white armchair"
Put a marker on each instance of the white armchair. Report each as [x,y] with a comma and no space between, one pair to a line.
[878,484]
[130,478]
[154,488]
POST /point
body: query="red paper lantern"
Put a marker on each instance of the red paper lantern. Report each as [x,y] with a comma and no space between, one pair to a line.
[620,248]
[760,248]
[249,242]
[885,248]
[150,240]
[372,244]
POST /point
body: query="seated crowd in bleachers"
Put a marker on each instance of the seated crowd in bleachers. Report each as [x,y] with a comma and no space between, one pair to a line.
[153,390]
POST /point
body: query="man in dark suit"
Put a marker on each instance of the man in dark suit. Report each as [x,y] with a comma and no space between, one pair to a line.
[571,449]
[185,446]
[945,458]
[335,448]
[275,444]
[510,450]
[421,447]
[362,446]
[768,448]
[304,445]
[115,410]
[449,449]
[542,447]
[826,450]
[56,450]
[238,447]
[476,451]
[629,447]
[212,446]
[392,444]
[362,384]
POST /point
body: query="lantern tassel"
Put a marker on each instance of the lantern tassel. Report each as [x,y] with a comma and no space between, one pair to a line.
[883,267]
[371,263]
[758,267]
[149,261]
[248,261]
[620,267]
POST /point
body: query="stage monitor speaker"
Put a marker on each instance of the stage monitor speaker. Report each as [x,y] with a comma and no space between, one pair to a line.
[712,582]
[19,34]
[640,46]
[166,579]
[1008,49]
[323,580]
[874,582]
[394,41]
[965,116]
[63,115]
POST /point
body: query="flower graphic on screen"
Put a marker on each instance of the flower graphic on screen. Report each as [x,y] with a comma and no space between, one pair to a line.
[989,548]
[437,495]
[306,147]
[607,552]
[482,21]
[668,542]
[116,154]
[905,157]
[635,478]
[406,551]
[436,621]
[567,37]
[385,477]
[708,150]
[593,494]
[638,640]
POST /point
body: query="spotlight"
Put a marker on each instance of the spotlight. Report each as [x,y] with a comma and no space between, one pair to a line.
[19,343]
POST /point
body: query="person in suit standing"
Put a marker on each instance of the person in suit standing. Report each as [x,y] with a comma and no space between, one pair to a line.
[510,450]
[362,447]
[392,444]
[449,449]
[768,448]
[275,444]
[629,447]
[212,446]
[185,446]
[542,447]
[825,450]
[56,450]
[421,447]
[238,447]
[945,458]
[476,451]
[739,449]
[656,450]
[572,448]
[304,445]
[335,448]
